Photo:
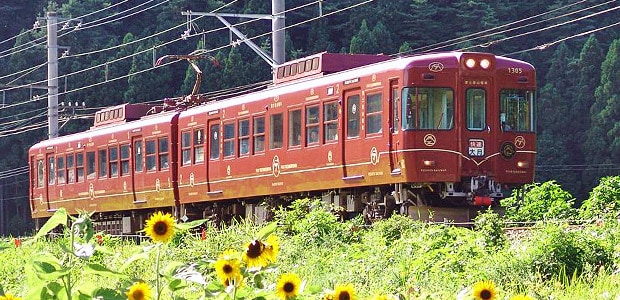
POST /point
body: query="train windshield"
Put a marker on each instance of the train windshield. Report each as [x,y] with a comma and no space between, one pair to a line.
[517,110]
[428,108]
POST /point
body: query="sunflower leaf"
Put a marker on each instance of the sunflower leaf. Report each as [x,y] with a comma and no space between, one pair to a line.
[58,218]
[189,225]
[101,270]
[267,231]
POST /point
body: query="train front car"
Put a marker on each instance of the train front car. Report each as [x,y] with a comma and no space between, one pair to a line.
[468,132]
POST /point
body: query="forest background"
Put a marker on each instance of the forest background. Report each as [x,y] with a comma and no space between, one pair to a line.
[575,46]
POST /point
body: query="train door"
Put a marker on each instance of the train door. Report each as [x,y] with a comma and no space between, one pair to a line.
[214,142]
[394,124]
[137,165]
[50,180]
[477,143]
[351,129]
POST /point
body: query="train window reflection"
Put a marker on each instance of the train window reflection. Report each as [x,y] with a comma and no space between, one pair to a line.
[215,142]
[276,131]
[229,139]
[103,163]
[79,166]
[137,148]
[199,147]
[40,173]
[517,110]
[51,171]
[428,108]
[90,165]
[374,110]
[186,148]
[259,134]
[124,159]
[353,116]
[151,162]
[330,120]
[294,127]
[476,109]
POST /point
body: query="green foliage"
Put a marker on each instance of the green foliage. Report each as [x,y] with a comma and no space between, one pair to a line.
[537,202]
[491,227]
[604,201]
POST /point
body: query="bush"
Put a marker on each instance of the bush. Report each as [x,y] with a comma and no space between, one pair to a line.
[604,201]
[546,201]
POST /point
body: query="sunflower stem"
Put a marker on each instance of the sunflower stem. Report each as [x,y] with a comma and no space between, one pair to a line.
[157,271]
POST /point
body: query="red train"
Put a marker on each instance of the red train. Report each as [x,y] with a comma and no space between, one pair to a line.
[443,132]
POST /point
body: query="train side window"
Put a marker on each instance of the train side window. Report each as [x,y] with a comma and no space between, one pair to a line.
[70,168]
[40,173]
[125,159]
[215,142]
[276,128]
[244,137]
[79,166]
[163,153]
[103,163]
[312,124]
[60,173]
[199,147]
[259,134]
[113,161]
[294,127]
[330,121]
[90,165]
[151,155]
[229,139]
[353,116]
[374,110]
[428,108]
[517,110]
[51,171]
[186,148]
[137,158]
[476,109]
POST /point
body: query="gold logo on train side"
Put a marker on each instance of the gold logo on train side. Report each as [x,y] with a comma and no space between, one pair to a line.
[374,156]
[275,166]
[430,140]
[520,141]
[435,67]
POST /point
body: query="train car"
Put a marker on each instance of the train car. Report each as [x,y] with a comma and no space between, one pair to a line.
[440,134]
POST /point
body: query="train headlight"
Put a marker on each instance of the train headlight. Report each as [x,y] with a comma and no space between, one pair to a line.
[485,63]
[470,63]
[523,164]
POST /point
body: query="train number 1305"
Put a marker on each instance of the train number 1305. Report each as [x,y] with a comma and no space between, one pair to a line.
[515,70]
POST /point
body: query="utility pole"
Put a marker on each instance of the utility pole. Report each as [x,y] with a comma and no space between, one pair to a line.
[52,74]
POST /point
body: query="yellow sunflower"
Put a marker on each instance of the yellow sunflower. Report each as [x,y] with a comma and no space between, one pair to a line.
[344,292]
[521,297]
[259,254]
[288,286]
[228,266]
[9,296]
[484,290]
[160,227]
[236,281]
[139,291]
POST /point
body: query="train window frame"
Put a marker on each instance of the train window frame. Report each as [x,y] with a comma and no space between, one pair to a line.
[91,163]
[419,105]
[330,121]
[163,150]
[71,168]
[258,134]
[102,158]
[353,116]
[244,137]
[138,166]
[294,128]
[475,108]
[60,170]
[114,161]
[125,151]
[395,110]
[40,173]
[374,113]
[80,175]
[198,139]
[214,148]
[51,171]
[229,137]
[276,131]
[313,114]
[186,147]
[150,154]
[517,110]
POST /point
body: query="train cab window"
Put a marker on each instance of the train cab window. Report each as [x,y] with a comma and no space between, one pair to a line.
[79,166]
[70,168]
[353,116]
[428,108]
[517,110]
[164,162]
[259,134]
[330,121]
[113,161]
[312,124]
[294,127]
[244,137]
[103,163]
[60,173]
[125,159]
[276,131]
[137,157]
[90,165]
[215,142]
[51,167]
[199,147]
[40,173]
[476,109]
[374,110]
[186,148]
[151,155]
[229,139]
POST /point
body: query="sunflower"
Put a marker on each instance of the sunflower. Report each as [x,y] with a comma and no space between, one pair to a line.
[139,291]
[236,281]
[288,286]
[484,290]
[160,227]
[228,266]
[259,254]
[344,292]
[9,296]
[521,297]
